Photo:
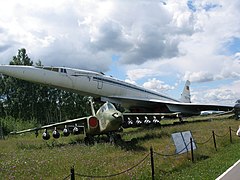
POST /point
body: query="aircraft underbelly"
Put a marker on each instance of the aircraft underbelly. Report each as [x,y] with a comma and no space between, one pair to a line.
[183,109]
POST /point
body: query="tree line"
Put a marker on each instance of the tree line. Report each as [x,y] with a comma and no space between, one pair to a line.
[28,101]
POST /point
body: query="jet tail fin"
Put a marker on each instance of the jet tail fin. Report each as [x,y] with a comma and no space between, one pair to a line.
[186,96]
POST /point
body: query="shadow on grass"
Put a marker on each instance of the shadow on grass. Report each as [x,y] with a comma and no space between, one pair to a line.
[50,144]
[134,143]
[130,145]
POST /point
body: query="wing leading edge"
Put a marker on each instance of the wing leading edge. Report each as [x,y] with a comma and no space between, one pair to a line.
[67,122]
[160,106]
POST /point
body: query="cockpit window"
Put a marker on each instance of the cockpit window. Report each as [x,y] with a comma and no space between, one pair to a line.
[63,70]
[111,106]
[107,106]
[55,69]
[48,68]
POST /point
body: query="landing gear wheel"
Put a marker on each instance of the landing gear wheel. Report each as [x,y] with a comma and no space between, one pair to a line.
[89,140]
[111,139]
[114,138]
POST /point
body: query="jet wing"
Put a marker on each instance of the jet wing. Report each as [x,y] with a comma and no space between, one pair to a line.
[67,122]
[161,106]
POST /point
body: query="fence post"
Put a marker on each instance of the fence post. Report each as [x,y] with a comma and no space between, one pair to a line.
[1,130]
[214,140]
[72,173]
[191,142]
[152,162]
[230,133]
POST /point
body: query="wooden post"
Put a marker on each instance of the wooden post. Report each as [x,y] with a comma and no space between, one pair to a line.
[214,140]
[191,142]
[1,130]
[72,173]
[152,162]
[230,134]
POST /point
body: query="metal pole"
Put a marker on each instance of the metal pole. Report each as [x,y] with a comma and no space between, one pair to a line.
[230,133]
[72,173]
[152,162]
[214,140]
[191,142]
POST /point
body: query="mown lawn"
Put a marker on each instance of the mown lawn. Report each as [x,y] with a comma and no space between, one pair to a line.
[27,157]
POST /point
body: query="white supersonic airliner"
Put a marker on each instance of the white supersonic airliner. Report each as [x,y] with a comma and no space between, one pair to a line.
[108,89]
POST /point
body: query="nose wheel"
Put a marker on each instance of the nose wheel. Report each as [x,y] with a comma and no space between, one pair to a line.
[112,138]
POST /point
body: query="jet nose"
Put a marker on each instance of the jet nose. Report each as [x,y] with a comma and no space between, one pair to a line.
[118,117]
[3,69]
[116,114]
[8,69]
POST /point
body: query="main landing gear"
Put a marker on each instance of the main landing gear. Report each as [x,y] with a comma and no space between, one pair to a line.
[89,140]
[111,138]
[114,138]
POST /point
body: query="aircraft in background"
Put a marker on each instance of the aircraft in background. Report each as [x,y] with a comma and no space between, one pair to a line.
[205,113]
[107,120]
[237,110]
[108,89]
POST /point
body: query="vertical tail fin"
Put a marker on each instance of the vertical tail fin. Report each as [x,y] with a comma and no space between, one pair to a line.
[186,96]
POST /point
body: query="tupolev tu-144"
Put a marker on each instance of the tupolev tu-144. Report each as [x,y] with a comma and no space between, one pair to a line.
[136,99]
[98,85]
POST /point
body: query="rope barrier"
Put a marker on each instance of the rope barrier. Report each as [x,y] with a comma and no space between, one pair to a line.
[177,153]
[222,135]
[157,153]
[201,143]
[234,130]
[112,175]
[67,177]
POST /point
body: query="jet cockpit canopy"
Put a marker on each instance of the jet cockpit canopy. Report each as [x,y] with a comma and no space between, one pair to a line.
[107,106]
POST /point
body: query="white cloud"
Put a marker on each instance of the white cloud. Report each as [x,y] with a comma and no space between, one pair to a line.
[136,74]
[225,94]
[200,76]
[151,39]
[157,85]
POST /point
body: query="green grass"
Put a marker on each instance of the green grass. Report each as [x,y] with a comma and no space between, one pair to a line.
[27,157]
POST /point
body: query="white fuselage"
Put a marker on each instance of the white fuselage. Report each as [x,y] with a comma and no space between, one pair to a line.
[81,81]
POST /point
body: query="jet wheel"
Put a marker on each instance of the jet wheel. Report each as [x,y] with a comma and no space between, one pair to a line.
[89,140]
[114,138]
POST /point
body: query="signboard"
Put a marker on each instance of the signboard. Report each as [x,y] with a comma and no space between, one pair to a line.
[182,142]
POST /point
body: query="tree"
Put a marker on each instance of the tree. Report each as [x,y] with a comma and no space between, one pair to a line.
[21,58]
[19,94]
[25,100]
[2,97]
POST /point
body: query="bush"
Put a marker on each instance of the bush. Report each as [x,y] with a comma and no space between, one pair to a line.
[10,124]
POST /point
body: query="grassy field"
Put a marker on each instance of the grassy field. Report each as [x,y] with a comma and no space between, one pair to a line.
[27,157]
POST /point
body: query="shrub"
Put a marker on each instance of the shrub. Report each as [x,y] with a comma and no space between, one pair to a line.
[10,124]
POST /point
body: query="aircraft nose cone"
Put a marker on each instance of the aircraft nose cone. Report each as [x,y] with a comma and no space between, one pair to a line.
[7,69]
[118,116]
[3,69]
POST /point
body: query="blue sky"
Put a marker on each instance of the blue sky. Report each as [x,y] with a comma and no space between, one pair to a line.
[149,43]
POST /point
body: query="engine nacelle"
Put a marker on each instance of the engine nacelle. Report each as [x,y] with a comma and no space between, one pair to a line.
[93,122]
[92,125]
[46,135]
